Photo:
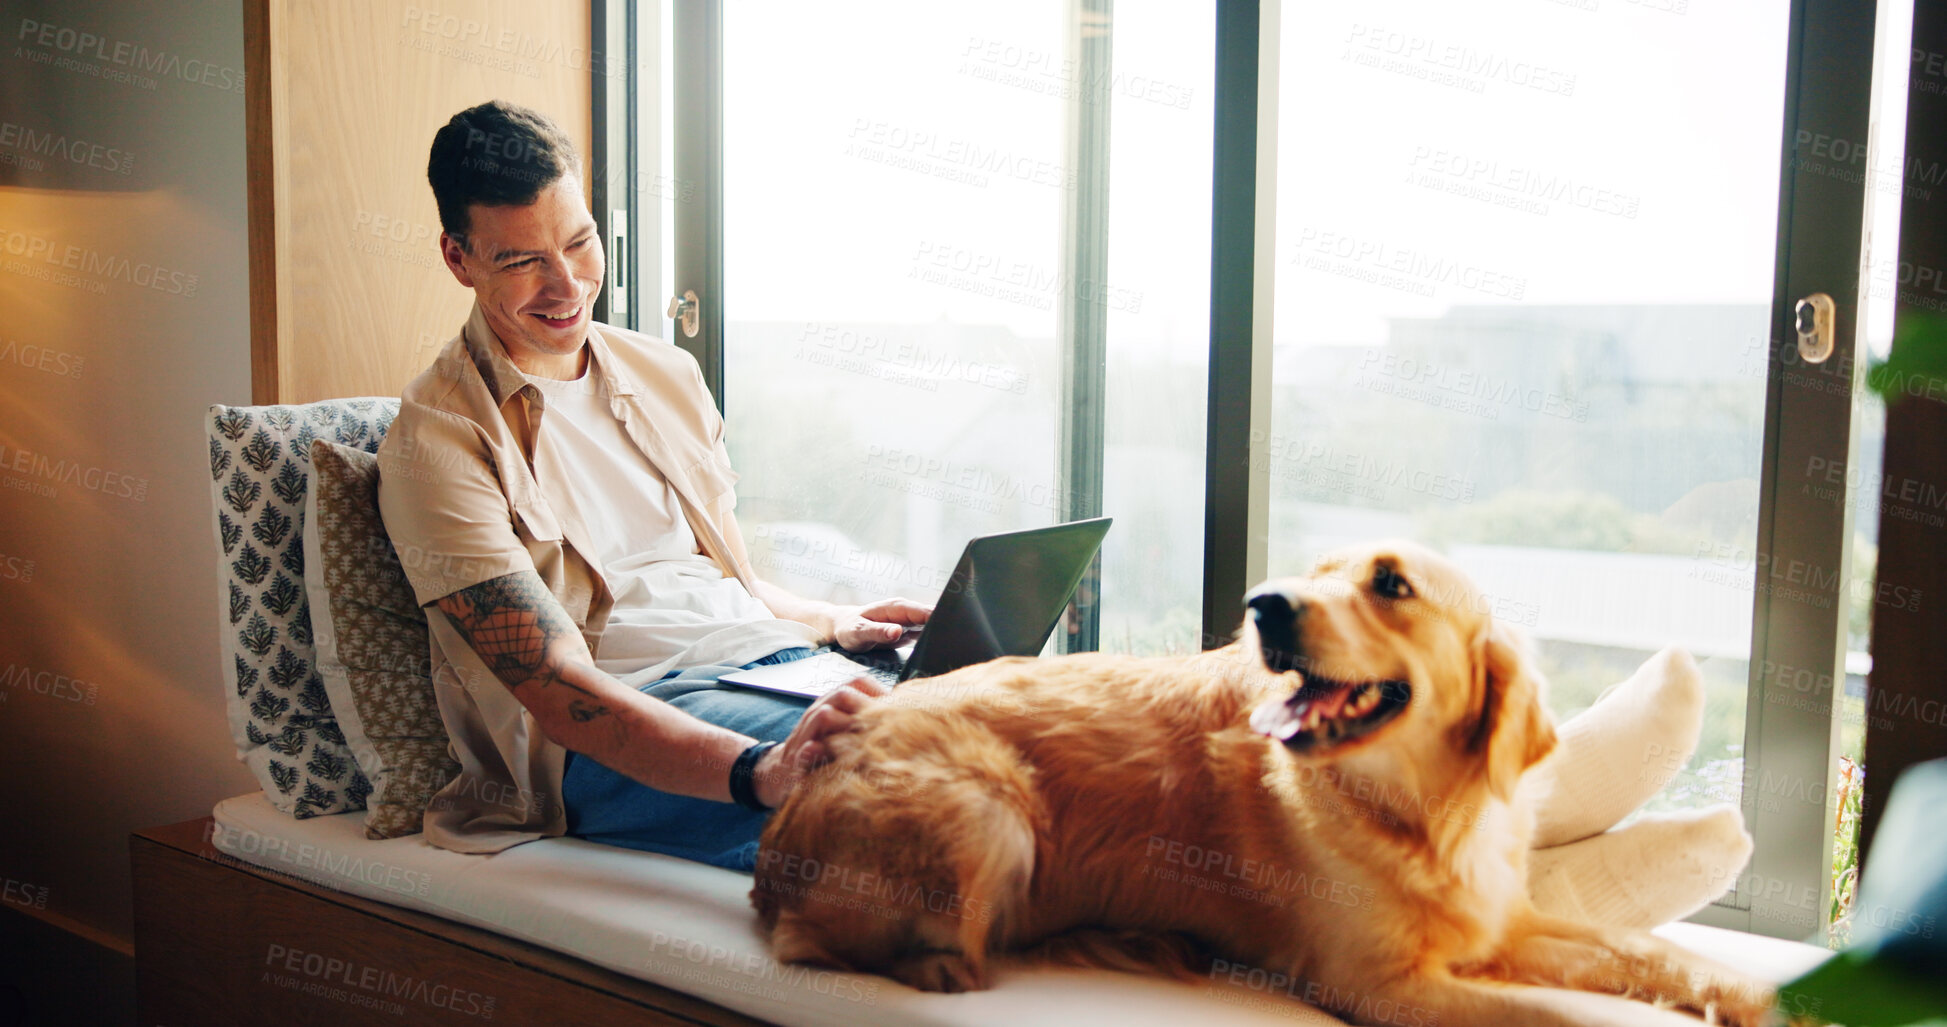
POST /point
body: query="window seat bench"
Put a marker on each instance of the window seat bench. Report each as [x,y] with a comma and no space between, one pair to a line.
[252,917]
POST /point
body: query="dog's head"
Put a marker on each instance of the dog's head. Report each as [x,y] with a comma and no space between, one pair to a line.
[1398,665]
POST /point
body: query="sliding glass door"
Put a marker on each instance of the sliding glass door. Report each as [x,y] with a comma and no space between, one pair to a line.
[1537,287]
[1523,304]
[1523,284]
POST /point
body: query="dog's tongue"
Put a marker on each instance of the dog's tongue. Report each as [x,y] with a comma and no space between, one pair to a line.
[1278,718]
[1283,718]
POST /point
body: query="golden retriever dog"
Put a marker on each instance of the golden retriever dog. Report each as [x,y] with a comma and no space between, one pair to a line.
[1328,808]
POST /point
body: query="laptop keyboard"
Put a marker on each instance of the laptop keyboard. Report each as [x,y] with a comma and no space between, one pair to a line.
[882,675]
[881,665]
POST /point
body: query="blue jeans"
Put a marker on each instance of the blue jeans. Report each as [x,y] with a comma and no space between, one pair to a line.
[614,809]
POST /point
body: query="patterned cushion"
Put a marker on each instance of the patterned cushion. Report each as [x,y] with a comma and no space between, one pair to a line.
[373,650]
[280,716]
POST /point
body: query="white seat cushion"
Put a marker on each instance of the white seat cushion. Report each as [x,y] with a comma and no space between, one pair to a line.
[690,927]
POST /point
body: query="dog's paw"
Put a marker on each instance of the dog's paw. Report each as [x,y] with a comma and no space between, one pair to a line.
[939,971]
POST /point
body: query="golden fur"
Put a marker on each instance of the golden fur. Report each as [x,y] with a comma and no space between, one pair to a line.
[1123,812]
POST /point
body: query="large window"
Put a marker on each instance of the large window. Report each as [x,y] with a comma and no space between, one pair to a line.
[922,283]
[891,276]
[1522,305]
[1521,284]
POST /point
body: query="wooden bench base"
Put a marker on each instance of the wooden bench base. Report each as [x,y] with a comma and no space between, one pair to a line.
[223,943]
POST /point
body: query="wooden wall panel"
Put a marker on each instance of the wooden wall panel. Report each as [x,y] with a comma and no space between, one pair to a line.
[353,94]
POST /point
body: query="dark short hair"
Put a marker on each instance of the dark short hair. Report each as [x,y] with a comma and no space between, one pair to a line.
[498,154]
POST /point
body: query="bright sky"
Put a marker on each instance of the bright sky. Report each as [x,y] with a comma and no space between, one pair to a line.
[1625,154]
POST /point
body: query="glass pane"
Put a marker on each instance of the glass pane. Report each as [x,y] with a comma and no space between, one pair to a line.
[898,265]
[1159,322]
[893,187]
[1522,299]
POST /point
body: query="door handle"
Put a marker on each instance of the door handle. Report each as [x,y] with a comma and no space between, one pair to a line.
[618,289]
[685,311]
[1814,317]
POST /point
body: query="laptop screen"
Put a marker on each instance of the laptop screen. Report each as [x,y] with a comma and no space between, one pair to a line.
[1006,595]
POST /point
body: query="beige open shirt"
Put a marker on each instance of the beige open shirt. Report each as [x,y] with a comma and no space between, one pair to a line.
[467,497]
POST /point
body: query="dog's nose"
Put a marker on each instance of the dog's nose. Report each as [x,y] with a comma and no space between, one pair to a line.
[1268,602]
[1275,616]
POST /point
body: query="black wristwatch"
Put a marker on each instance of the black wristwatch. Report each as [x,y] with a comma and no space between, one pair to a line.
[743,777]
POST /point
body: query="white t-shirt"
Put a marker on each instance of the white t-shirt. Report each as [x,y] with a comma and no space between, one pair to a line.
[673,606]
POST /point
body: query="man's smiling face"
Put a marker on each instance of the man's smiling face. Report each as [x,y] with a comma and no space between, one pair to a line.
[535,270]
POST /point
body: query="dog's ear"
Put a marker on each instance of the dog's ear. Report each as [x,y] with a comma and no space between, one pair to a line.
[1514,731]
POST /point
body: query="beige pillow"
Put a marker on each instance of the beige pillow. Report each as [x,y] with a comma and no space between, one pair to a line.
[373,649]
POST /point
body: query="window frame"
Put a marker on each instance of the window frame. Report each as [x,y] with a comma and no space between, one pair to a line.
[1808,416]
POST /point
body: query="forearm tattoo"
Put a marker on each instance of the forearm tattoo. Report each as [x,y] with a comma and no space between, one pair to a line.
[513,622]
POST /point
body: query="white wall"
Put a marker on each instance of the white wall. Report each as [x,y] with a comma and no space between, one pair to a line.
[120,596]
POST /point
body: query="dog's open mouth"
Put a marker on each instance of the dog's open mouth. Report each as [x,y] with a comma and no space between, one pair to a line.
[1324,713]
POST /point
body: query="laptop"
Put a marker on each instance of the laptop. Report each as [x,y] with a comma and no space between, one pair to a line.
[1005,597]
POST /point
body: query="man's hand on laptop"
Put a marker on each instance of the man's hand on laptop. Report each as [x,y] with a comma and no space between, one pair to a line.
[877,625]
[785,765]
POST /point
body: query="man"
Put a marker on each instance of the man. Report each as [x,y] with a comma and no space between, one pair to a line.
[560,494]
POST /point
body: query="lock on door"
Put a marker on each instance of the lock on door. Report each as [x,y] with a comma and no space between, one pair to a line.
[1814,318]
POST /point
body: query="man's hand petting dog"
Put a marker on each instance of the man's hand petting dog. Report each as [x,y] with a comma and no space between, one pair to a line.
[785,765]
[857,628]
